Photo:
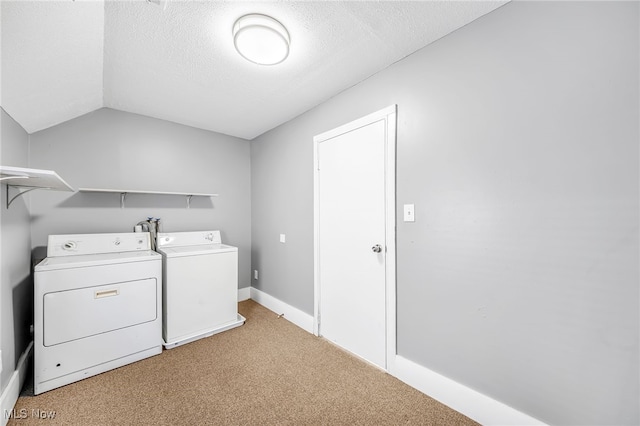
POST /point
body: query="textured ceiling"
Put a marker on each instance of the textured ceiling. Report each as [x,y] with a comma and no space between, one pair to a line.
[175,60]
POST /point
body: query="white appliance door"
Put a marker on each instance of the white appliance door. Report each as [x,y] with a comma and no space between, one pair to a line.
[79,313]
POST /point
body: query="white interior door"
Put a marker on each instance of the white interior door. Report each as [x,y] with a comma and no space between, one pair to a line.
[351,237]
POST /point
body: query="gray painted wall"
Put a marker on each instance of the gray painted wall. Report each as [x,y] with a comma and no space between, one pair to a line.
[518,143]
[114,149]
[16,288]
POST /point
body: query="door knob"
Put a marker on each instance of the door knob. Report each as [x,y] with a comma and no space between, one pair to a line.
[377,248]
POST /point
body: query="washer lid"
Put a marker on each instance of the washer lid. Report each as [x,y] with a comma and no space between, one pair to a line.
[196,250]
[87,260]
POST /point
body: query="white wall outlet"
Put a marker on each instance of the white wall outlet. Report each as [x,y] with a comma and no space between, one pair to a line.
[283,238]
[409,213]
[255,274]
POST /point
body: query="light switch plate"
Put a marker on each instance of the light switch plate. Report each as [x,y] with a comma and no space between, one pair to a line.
[282,238]
[409,213]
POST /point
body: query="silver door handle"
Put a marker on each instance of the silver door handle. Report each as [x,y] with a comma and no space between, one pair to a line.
[377,248]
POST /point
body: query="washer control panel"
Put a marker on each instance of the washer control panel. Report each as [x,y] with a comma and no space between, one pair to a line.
[181,239]
[78,244]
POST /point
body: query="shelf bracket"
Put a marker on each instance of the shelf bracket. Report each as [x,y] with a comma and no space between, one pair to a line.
[123,196]
[189,201]
[10,200]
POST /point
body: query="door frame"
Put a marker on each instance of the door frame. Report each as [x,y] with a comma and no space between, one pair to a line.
[387,114]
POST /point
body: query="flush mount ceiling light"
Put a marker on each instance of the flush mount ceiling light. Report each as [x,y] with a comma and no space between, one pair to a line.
[261,39]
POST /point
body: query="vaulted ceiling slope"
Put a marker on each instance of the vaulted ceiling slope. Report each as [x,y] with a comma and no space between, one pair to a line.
[175,60]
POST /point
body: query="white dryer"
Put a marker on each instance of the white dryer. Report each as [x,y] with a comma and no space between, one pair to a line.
[199,287]
[98,306]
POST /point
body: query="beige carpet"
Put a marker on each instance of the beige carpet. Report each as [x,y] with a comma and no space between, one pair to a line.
[266,372]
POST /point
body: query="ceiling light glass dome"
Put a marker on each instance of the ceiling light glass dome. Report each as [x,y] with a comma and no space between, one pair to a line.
[261,39]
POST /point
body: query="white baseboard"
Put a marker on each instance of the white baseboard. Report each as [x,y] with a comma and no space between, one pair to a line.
[244,294]
[12,391]
[477,406]
[294,315]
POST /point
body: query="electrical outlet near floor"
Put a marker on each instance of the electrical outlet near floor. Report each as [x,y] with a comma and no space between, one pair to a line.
[255,274]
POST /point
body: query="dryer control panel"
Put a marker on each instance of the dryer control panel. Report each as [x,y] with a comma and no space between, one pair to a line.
[78,244]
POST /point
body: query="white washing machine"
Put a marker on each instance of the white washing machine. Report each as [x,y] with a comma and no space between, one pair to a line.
[98,306]
[199,287]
